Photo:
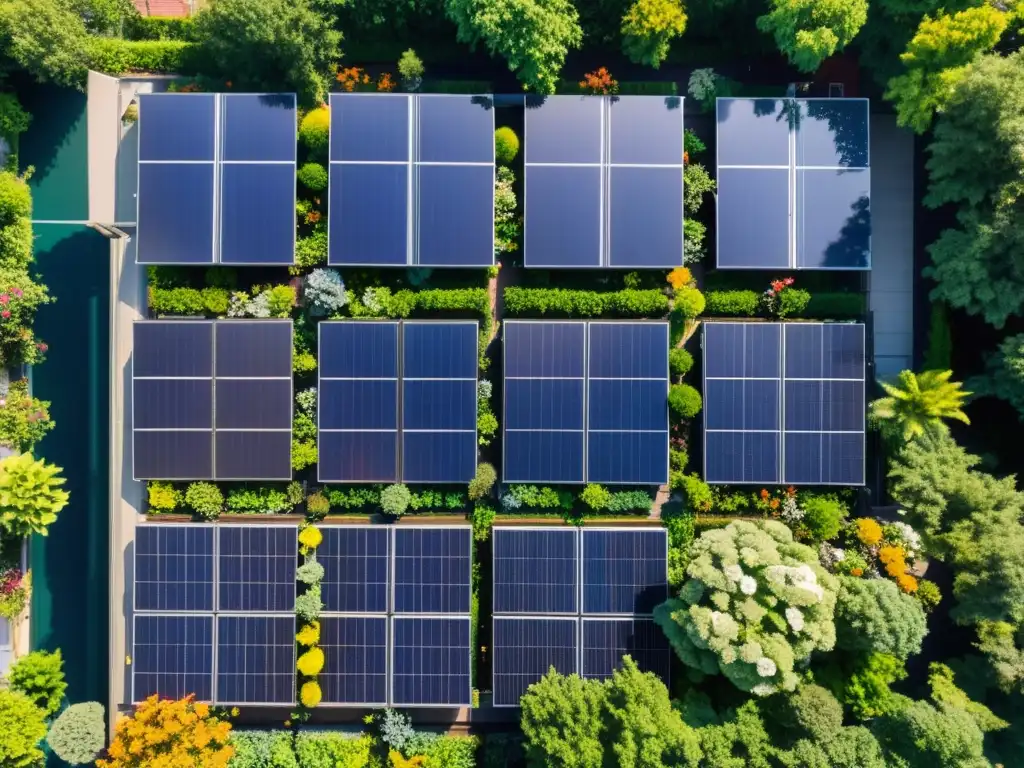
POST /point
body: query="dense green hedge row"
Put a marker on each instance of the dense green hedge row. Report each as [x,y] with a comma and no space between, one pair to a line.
[160,28]
[792,303]
[116,57]
[564,302]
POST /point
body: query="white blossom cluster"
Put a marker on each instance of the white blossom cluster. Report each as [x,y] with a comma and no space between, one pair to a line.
[702,84]
[241,305]
[911,539]
[790,512]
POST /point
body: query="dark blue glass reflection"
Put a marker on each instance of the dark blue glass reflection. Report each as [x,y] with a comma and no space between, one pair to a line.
[356,568]
[742,350]
[254,404]
[358,404]
[737,404]
[255,659]
[563,129]
[439,350]
[172,455]
[741,457]
[628,350]
[646,218]
[176,126]
[753,218]
[358,350]
[547,349]
[432,570]
[256,568]
[754,131]
[369,206]
[534,571]
[356,657]
[175,219]
[646,130]
[257,214]
[455,129]
[358,457]
[439,404]
[628,404]
[172,348]
[173,568]
[455,215]
[633,458]
[369,127]
[833,219]
[544,403]
[430,662]
[254,349]
[543,457]
[563,217]
[624,571]
[172,657]
[524,651]
[804,350]
[438,457]
[253,455]
[832,132]
[606,641]
[258,127]
[843,351]
[173,403]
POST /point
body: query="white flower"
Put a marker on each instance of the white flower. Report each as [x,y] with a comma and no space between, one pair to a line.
[838,554]
[748,585]
[763,689]
[766,667]
[795,619]
[733,572]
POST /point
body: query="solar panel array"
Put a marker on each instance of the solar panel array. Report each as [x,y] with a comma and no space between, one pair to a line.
[411,582]
[212,400]
[794,184]
[586,402]
[411,180]
[578,600]
[214,613]
[397,401]
[216,178]
[604,182]
[784,403]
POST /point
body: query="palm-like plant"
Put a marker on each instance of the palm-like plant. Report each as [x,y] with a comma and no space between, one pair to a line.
[918,403]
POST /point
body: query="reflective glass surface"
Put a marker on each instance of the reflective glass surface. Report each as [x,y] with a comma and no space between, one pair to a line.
[646,217]
[252,455]
[369,127]
[634,458]
[358,457]
[438,457]
[176,126]
[358,350]
[369,214]
[172,348]
[743,350]
[544,349]
[173,403]
[628,350]
[563,217]
[741,457]
[257,214]
[753,218]
[833,219]
[563,129]
[646,130]
[172,455]
[737,404]
[175,219]
[455,129]
[254,349]
[254,404]
[753,131]
[832,132]
[258,127]
[543,457]
[455,215]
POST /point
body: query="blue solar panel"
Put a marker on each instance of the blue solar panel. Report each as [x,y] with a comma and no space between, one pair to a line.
[438,457]
[544,349]
[535,571]
[252,455]
[524,651]
[741,404]
[741,457]
[177,127]
[172,455]
[370,127]
[374,228]
[256,568]
[174,404]
[358,404]
[174,568]
[834,218]
[832,132]
[455,129]
[356,657]
[563,129]
[364,457]
[544,403]
[455,215]
[259,127]
[170,195]
[430,663]
[753,218]
[255,660]
[624,571]
[824,458]
[753,132]
[630,458]
[825,351]
[254,348]
[432,570]
[562,222]
[254,404]
[439,350]
[172,348]
[356,567]
[646,130]
[439,405]
[645,217]
[257,214]
[358,350]
[606,641]
[742,350]
[172,657]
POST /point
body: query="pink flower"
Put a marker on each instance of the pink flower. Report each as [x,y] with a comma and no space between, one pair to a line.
[17,292]
[42,347]
[4,298]
[789,281]
[6,313]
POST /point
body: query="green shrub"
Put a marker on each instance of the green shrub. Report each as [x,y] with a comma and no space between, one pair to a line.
[793,301]
[354,497]
[205,499]
[630,501]
[264,499]
[262,749]
[411,69]
[114,56]
[679,361]
[315,132]
[309,604]
[595,496]
[692,144]
[303,454]
[30,494]
[684,400]
[311,251]
[15,198]
[138,27]
[163,497]
[825,306]
[481,485]
[483,520]
[939,354]
[317,505]
[536,497]
[78,733]
[330,749]
[394,499]
[731,303]
[689,302]
[40,676]
[506,145]
[188,301]
[823,516]
[14,120]
[22,727]
[282,300]
[313,177]
[696,493]
[24,420]
[573,303]
[929,595]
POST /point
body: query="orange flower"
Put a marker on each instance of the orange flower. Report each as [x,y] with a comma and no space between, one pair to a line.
[764,494]
[856,571]
[791,491]
[686,157]
[600,81]
[868,531]
[774,503]
[385,83]
[906,583]
[678,277]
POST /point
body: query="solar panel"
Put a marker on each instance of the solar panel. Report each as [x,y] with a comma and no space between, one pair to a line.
[356,656]
[356,567]
[784,410]
[432,569]
[174,568]
[358,401]
[544,364]
[794,184]
[627,397]
[535,570]
[172,657]
[414,175]
[439,401]
[525,649]
[625,570]
[255,660]
[606,641]
[431,662]
[256,568]
[224,164]
[604,182]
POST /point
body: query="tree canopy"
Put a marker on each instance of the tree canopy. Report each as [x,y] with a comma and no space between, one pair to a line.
[873,615]
[44,38]
[1004,374]
[918,403]
[809,31]
[648,28]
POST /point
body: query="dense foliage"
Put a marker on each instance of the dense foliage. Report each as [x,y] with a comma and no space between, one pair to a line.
[22,726]
[30,494]
[78,733]
[918,403]
[40,676]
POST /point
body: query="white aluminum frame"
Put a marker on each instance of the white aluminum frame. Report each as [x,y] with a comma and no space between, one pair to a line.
[573,620]
[623,529]
[328,616]
[393,555]
[389,556]
[248,527]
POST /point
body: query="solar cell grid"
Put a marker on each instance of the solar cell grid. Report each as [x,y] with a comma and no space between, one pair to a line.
[356,654]
[173,568]
[624,570]
[525,649]
[432,570]
[172,657]
[256,568]
[606,641]
[431,661]
[255,660]
[535,570]
[356,567]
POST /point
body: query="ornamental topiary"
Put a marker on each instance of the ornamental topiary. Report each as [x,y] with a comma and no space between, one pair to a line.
[40,676]
[823,516]
[483,482]
[310,694]
[755,603]
[394,500]
[30,495]
[78,734]
[163,497]
[506,145]
[311,662]
[317,505]
[597,497]
[679,361]
[872,615]
[205,498]
[22,726]
[689,302]
[313,177]
[309,635]
[684,400]
[315,132]
[310,538]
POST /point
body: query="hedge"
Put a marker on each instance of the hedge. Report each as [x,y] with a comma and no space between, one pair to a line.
[572,303]
[160,28]
[114,56]
[188,301]
[731,303]
[829,305]
[820,305]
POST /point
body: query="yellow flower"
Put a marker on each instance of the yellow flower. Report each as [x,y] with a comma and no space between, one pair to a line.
[310,695]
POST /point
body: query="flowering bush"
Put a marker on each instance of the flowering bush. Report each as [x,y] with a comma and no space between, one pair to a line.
[869,532]
[354,79]
[310,538]
[385,83]
[755,603]
[394,499]
[310,694]
[18,304]
[14,593]
[678,277]
[600,82]
[311,662]
[506,222]
[325,292]
[24,420]
[771,298]
[309,635]
[176,734]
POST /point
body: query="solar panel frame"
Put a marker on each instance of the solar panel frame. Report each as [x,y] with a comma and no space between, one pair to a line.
[657,660]
[795,108]
[252,679]
[414,605]
[335,552]
[139,658]
[637,567]
[423,620]
[139,552]
[499,649]
[248,603]
[517,589]
[328,624]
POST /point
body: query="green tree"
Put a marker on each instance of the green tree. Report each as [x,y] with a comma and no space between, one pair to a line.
[44,38]
[534,36]
[1004,374]
[648,27]
[561,720]
[30,495]
[918,403]
[739,741]
[22,727]
[867,690]
[40,676]
[269,45]
[809,31]
[947,695]
[873,615]
[920,736]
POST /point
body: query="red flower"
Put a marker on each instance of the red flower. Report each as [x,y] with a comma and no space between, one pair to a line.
[42,347]
[764,493]
[5,314]
[778,285]
[4,298]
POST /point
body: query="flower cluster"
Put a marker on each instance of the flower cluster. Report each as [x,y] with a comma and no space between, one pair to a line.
[600,81]
[14,592]
[352,78]
[385,83]
[678,278]
[770,298]
[879,551]
[24,420]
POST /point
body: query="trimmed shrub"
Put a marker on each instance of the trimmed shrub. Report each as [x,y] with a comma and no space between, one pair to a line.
[311,251]
[411,69]
[731,303]
[310,572]
[311,662]
[205,499]
[394,499]
[679,361]
[313,177]
[873,616]
[163,497]
[689,302]
[506,145]
[309,604]
[597,497]
[137,27]
[684,400]
[315,132]
[835,305]
[483,482]
[326,749]
[282,300]
[262,749]
[15,198]
[22,727]
[630,501]
[697,494]
[188,301]
[572,303]
[309,635]
[40,676]
[30,494]
[317,505]
[78,734]
[792,301]
[115,56]
[310,538]
[823,516]
[325,292]
[483,520]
